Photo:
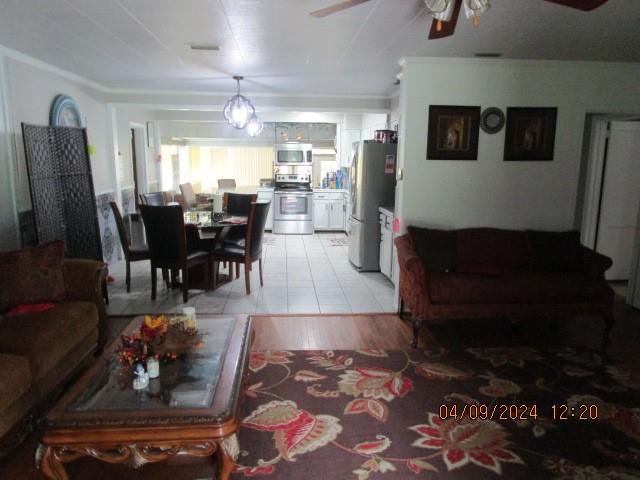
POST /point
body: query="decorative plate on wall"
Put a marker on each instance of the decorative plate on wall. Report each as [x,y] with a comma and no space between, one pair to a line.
[492,120]
[64,112]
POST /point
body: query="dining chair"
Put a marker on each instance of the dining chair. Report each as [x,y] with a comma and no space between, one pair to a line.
[188,195]
[167,241]
[131,253]
[226,183]
[153,198]
[251,251]
[237,205]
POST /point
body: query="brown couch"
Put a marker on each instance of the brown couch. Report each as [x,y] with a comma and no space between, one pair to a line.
[488,273]
[40,350]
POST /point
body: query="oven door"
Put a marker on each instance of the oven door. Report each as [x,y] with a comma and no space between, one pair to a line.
[293,206]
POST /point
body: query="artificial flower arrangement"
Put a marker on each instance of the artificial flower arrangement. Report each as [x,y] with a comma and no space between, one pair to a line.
[154,328]
[147,341]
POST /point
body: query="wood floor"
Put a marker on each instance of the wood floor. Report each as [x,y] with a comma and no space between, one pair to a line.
[384,331]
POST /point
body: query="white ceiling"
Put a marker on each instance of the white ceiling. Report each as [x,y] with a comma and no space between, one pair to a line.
[142,44]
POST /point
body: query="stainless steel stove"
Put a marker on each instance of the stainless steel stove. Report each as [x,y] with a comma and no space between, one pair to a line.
[293,213]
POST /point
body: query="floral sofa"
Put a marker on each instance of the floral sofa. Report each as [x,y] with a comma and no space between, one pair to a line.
[488,273]
[51,319]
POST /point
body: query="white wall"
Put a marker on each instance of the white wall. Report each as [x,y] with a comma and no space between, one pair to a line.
[490,191]
[9,237]
[372,122]
[30,92]
[125,116]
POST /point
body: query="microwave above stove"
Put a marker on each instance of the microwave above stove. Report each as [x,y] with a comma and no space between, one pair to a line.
[294,154]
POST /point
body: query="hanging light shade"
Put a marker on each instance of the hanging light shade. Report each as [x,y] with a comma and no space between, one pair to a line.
[254,126]
[442,10]
[238,109]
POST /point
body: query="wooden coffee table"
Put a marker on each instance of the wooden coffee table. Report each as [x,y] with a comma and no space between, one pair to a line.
[192,409]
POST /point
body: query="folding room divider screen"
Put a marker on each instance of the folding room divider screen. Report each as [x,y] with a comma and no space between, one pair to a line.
[61,184]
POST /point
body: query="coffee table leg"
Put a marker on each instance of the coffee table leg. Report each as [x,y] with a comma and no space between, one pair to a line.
[51,466]
[228,450]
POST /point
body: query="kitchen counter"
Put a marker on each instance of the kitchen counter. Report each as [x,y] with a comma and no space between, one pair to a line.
[244,189]
[387,210]
[329,190]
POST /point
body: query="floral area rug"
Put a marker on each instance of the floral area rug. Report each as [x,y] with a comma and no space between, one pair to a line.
[481,413]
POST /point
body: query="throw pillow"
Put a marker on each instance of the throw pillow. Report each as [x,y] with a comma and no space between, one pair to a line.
[32,275]
[436,248]
[555,251]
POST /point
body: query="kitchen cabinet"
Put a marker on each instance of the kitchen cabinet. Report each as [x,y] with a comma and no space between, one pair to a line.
[386,243]
[266,195]
[336,214]
[329,211]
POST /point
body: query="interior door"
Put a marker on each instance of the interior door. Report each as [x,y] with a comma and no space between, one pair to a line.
[620,198]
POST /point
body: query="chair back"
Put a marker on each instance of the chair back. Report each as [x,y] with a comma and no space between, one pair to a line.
[141,199]
[166,236]
[154,198]
[255,227]
[238,204]
[226,183]
[188,195]
[122,231]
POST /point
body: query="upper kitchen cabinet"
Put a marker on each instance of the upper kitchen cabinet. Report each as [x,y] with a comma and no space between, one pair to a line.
[305,132]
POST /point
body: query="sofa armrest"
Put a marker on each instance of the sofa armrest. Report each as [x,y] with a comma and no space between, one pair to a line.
[413,279]
[594,263]
[84,281]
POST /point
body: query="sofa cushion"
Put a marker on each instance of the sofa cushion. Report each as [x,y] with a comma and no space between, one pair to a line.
[436,248]
[491,251]
[555,250]
[32,275]
[44,338]
[15,378]
[515,287]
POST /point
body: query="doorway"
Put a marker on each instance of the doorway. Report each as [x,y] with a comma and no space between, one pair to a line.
[138,160]
[612,196]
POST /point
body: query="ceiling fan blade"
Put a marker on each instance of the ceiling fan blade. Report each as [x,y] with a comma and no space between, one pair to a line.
[585,5]
[447,28]
[336,8]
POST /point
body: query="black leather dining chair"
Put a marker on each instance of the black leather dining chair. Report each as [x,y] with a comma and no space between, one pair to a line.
[131,253]
[154,198]
[167,241]
[251,251]
[237,205]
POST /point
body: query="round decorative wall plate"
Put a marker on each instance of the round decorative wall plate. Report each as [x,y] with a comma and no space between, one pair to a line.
[65,113]
[492,120]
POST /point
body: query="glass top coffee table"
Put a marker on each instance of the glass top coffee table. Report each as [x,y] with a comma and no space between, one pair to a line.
[191,409]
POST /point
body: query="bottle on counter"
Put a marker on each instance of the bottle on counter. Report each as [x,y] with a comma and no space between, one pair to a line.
[325,181]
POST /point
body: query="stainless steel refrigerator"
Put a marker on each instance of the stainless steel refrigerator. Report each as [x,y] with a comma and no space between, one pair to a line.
[373,184]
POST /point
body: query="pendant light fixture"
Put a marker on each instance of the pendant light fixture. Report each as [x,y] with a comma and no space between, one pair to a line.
[254,126]
[238,110]
[442,10]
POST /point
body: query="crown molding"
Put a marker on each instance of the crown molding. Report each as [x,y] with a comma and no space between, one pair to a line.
[404,61]
[34,62]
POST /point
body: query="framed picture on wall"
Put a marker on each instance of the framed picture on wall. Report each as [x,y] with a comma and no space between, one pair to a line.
[531,134]
[453,132]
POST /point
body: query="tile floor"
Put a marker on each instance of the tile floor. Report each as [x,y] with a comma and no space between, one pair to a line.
[302,274]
